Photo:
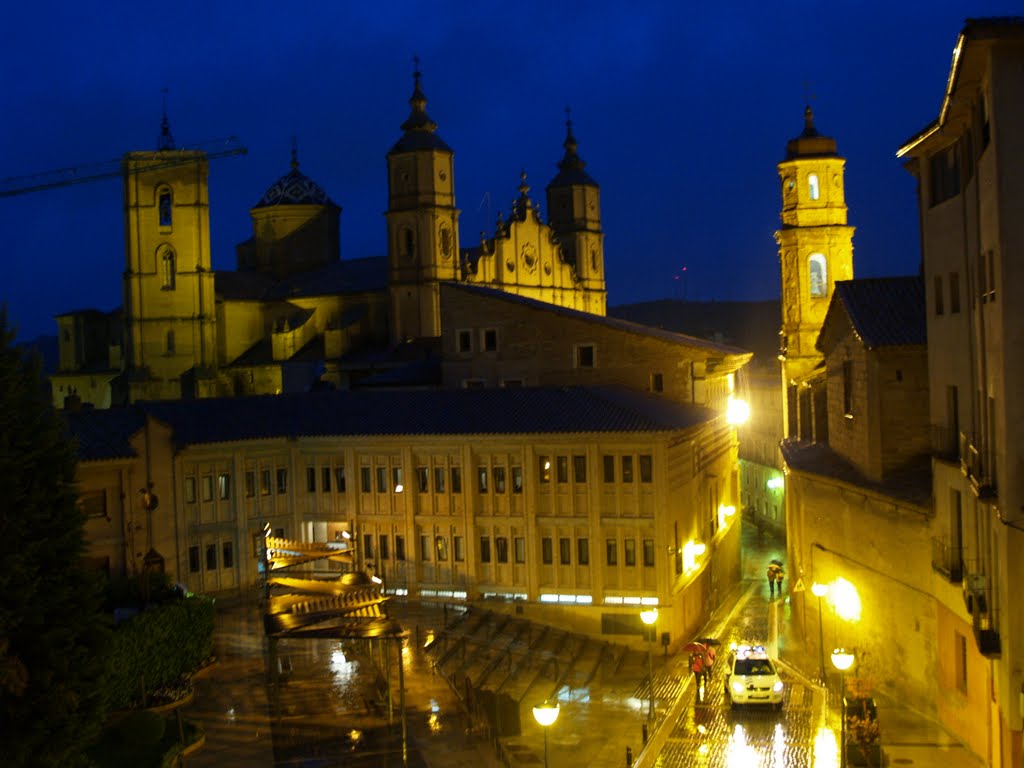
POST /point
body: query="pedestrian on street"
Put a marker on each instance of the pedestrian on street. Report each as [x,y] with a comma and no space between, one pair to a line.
[697,665]
[709,663]
[771,580]
[779,575]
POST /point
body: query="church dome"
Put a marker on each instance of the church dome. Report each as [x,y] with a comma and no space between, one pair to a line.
[294,188]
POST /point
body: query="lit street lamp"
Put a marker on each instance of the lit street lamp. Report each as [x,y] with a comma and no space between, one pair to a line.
[545,714]
[819,591]
[842,660]
[649,618]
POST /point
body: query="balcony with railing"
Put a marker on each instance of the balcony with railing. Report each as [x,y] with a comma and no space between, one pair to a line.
[945,444]
[980,603]
[948,559]
[978,465]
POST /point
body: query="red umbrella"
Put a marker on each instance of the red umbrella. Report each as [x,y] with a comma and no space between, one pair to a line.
[695,647]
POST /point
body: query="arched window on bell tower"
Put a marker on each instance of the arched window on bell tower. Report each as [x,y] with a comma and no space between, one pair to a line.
[818,275]
[164,201]
[168,268]
[812,186]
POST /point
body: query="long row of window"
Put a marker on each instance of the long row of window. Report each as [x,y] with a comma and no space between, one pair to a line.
[227,557]
[500,549]
[489,479]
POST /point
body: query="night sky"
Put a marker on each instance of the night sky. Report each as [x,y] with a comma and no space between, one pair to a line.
[681,110]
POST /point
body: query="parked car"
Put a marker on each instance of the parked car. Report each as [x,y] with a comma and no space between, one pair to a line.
[751,677]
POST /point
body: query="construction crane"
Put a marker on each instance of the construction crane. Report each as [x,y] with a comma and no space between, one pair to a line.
[109,169]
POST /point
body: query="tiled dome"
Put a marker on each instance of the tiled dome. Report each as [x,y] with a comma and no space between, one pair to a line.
[294,188]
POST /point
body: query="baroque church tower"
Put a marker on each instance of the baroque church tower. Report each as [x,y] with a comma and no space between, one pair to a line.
[423,239]
[169,305]
[815,250]
[574,213]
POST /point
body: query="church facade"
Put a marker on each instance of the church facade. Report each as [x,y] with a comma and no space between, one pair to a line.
[294,315]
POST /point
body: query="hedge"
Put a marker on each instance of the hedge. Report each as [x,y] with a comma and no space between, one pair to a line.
[158,646]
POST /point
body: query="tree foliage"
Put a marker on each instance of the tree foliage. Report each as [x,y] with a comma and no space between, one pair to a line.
[53,638]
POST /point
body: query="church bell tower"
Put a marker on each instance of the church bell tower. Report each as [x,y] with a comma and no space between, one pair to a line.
[815,249]
[169,305]
[423,235]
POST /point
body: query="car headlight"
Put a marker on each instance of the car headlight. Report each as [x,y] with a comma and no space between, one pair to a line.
[738,687]
[778,686]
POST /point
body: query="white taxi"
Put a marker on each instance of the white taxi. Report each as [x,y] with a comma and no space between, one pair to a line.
[751,677]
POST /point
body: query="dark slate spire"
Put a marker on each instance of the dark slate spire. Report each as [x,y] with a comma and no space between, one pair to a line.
[809,129]
[166,140]
[295,153]
[419,128]
[570,169]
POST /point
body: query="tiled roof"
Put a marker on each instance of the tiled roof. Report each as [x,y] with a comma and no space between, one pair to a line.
[885,311]
[752,325]
[517,411]
[294,188]
[104,434]
[344,276]
[912,484]
[241,286]
[607,321]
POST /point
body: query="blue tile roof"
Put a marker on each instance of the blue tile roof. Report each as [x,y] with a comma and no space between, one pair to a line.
[517,411]
[104,434]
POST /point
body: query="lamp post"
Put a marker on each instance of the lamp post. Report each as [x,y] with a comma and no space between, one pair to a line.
[842,660]
[819,591]
[649,618]
[545,714]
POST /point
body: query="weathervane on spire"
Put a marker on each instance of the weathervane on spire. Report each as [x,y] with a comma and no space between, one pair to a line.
[166,140]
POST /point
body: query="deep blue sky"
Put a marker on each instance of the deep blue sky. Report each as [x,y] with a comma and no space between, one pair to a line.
[681,109]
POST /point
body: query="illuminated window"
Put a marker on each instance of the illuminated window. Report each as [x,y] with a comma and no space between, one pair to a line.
[481,474]
[812,186]
[441,543]
[223,486]
[517,479]
[818,275]
[397,481]
[545,469]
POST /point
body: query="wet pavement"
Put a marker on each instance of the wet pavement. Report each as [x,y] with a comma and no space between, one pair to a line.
[320,703]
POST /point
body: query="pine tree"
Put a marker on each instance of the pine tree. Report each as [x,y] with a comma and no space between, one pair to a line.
[53,637]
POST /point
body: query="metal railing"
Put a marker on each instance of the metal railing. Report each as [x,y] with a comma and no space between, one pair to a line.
[979,466]
[948,559]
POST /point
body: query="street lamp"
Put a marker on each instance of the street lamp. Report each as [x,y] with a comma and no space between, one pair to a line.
[545,714]
[819,591]
[842,660]
[649,618]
